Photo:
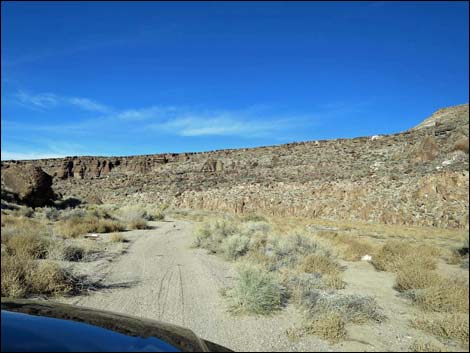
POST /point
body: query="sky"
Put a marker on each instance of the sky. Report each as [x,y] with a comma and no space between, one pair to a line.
[129,78]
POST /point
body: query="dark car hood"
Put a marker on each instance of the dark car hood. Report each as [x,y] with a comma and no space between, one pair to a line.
[29,325]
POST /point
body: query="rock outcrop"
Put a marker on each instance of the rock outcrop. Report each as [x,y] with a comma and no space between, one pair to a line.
[417,177]
[30,184]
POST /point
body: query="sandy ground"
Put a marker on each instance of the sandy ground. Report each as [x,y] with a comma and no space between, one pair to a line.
[161,277]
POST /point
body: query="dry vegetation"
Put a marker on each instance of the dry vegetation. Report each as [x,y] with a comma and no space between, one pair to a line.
[443,300]
[280,268]
[329,326]
[36,243]
[294,267]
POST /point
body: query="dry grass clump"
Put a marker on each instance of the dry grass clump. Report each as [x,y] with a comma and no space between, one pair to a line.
[395,255]
[352,308]
[448,326]
[14,272]
[135,217]
[421,345]
[49,278]
[23,276]
[25,237]
[73,213]
[356,249]
[334,281]
[415,277]
[256,291]
[28,246]
[447,295]
[74,227]
[117,238]
[319,264]
[329,326]
[348,247]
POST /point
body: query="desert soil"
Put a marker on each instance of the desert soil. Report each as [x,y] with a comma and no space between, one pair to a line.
[161,277]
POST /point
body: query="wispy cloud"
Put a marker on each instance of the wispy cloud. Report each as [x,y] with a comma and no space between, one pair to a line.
[42,100]
[223,125]
[254,121]
[51,100]
[88,104]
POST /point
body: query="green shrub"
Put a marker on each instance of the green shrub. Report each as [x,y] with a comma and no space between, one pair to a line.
[235,246]
[210,235]
[256,291]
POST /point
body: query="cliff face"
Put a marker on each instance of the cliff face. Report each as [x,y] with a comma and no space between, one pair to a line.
[418,177]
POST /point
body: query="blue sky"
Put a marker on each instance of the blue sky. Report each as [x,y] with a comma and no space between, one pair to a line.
[126,78]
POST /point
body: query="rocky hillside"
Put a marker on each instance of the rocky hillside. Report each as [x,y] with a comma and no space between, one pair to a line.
[417,177]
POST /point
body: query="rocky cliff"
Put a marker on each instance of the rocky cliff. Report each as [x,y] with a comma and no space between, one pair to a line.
[417,177]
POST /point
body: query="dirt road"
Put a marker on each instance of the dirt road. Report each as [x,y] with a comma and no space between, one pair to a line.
[171,282]
[174,283]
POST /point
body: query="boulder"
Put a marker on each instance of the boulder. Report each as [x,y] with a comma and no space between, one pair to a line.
[30,184]
[427,150]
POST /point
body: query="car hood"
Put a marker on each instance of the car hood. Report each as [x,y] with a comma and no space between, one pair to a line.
[32,325]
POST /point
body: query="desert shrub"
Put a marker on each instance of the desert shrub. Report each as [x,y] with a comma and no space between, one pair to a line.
[25,237]
[447,295]
[252,217]
[60,251]
[461,145]
[251,227]
[117,238]
[298,284]
[235,246]
[415,277]
[447,326]
[329,326]
[14,271]
[22,226]
[107,226]
[210,235]
[73,227]
[73,213]
[23,212]
[48,278]
[137,224]
[28,246]
[22,277]
[51,213]
[421,345]
[352,308]
[319,264]
[334,281]
[396,254]
[158,216]
[289,250]
[353,249]
[256,291]
[135,217]
[99,212]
